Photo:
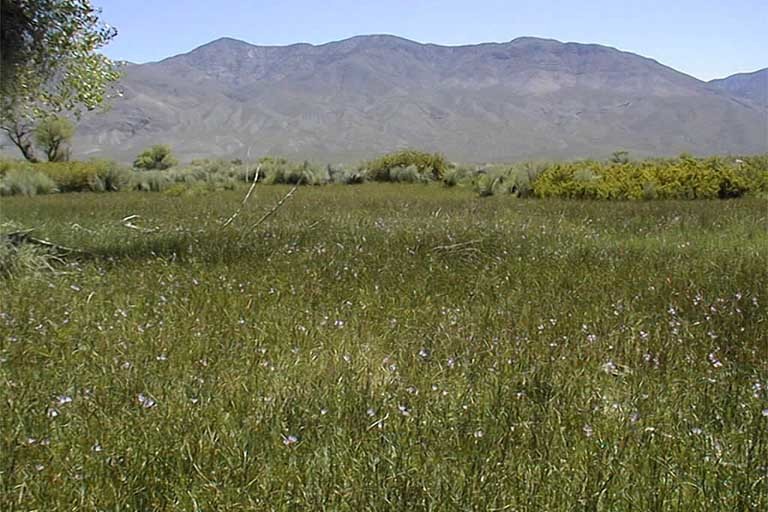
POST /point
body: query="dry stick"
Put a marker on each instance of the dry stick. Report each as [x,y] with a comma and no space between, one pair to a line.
[128,224]
[22,237]
[455,246]
[245,199]
[274,208]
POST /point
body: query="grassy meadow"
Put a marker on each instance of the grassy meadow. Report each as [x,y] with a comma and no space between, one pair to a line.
[386,347]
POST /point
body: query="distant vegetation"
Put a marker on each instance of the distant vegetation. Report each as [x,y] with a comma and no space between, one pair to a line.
[619,178]
[157,157]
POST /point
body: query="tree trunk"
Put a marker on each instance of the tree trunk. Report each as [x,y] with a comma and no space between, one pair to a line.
[20,136]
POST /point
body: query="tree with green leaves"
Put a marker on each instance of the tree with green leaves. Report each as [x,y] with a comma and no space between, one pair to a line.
[49,64]
[52,135]
[157,157]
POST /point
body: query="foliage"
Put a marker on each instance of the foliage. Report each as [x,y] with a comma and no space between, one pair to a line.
[298,174]
[94,175]
[620,157]
[49,56]
[429,165]
[410,174]
[387,347]
[50,63]
[685,177]
[80,176]
[22,261]
[158,157]
[346,176]
[26,182]
[51,134]
[150,181]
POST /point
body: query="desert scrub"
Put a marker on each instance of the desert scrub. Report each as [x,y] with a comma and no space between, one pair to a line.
[685,177]
[82,176]
[26,182]
[426,165]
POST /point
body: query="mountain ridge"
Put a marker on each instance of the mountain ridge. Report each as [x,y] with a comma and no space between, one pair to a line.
[358,97]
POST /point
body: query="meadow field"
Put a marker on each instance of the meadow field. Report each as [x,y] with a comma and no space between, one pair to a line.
[385,347]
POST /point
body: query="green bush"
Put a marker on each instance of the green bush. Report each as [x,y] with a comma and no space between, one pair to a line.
[26,182]
[150,181]
[408,174]
[297,174]
[684,177]
[428,165]
[158,157]
[345,176]
[487,185]
[93,176]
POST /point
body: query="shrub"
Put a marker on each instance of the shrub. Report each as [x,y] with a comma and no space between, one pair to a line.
[25,259]
[684,177]
[27,182]
[487,185]
[94,175]
[298,174]
[158,157]
[408,174]
[346,176]
[150,181]
[432,165]
[458,174]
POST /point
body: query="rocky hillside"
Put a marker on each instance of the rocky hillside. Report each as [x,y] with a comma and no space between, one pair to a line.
[351,99]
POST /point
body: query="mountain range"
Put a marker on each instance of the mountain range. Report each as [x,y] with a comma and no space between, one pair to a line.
[353,99]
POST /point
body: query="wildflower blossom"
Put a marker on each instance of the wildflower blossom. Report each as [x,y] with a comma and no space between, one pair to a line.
[63,399]
[147,402]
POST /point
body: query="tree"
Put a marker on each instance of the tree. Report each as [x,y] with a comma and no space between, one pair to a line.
[49,63]
[620,157]
[51,134]
[156,157]
[20,133]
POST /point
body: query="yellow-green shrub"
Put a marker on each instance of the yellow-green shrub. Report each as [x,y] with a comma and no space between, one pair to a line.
[680,178]
[94,175]
[432,165]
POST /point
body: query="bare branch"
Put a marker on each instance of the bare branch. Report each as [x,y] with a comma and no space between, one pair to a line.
[245,199]
[274,208]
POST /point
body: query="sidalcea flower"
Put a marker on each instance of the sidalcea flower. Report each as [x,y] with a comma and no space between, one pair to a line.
[146,401]
[63,399]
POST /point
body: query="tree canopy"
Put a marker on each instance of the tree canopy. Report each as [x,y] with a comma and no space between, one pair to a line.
[52,134]
[49,63]
[158,157]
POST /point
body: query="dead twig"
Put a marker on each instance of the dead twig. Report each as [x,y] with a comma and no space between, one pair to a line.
[126,222]
[245,199]
[455,246]
[17,238]
[274,208]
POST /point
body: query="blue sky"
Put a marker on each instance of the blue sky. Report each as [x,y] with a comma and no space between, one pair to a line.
[705,38]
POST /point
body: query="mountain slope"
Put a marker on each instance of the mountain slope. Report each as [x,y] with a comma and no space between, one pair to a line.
[749,86]
[352,99]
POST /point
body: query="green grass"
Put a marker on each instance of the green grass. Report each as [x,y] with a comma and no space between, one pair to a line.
[387,347]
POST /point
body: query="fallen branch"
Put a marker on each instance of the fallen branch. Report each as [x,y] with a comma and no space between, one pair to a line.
[455,246]
[18,238]
[245,199]
[274,208]
[126,222]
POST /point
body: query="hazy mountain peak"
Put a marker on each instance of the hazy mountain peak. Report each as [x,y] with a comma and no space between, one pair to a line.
[358,97]
[749,86]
